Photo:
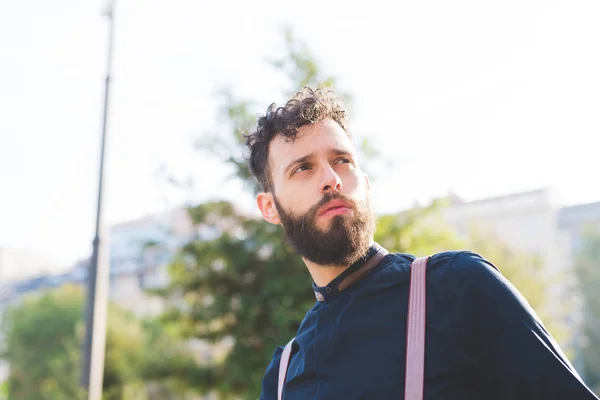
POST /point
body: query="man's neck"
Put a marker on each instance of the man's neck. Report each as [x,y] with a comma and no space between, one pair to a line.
[323,274]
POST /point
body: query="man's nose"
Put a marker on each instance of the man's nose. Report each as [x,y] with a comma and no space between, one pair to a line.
[331,181]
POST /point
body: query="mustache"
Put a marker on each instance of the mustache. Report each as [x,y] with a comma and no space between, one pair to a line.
[327,197]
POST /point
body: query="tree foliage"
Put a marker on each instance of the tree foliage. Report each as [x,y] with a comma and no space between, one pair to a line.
[38,335]
[43,347]
[244,285]
[420,230]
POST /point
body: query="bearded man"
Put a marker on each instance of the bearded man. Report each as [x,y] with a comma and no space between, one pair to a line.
[483,340]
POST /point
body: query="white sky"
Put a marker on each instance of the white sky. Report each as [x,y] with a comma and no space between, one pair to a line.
[479,98]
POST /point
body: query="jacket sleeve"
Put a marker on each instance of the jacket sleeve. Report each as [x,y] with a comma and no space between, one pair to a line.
[513,355]
[269,382]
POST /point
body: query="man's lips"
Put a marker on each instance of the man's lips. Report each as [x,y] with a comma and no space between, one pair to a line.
[335,207]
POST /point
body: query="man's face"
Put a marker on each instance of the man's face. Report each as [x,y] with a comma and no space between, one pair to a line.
[320,195]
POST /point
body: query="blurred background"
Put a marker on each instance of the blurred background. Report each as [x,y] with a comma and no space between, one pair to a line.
[477,123]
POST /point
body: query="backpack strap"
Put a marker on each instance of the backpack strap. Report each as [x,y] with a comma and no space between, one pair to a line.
[415,337]
[283,366]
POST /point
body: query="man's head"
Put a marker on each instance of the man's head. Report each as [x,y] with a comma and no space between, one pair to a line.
[306,163]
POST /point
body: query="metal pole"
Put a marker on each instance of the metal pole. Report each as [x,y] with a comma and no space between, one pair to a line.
[98,274]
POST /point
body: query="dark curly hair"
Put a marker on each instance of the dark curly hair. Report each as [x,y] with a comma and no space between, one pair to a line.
[308,106]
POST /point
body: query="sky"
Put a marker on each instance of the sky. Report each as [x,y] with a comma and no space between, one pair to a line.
[467,97]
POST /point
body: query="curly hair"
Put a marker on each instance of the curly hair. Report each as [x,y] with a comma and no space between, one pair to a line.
[308,106]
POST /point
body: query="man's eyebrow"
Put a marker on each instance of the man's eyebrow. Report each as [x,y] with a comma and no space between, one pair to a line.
[336,151]
[340,152]
[298,161]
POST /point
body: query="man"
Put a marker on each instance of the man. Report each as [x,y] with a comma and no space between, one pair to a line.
[483,341]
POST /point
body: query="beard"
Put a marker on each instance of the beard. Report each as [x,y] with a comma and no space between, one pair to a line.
[344,242]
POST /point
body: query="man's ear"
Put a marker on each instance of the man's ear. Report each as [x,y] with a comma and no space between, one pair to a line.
[367,181]
[266,205]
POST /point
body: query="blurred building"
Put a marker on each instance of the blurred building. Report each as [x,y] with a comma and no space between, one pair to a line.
[532,221]
[139,253]
[574,221]
[526,221]
[150,240]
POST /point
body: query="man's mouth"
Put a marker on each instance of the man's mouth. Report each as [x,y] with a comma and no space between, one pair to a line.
[335,207]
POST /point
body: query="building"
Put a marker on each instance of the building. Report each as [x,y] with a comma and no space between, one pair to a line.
[150,240]
[575,220]
[526,221]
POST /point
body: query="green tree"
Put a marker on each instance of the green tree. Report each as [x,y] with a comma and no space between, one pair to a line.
[587,269]
[37,333]
[43,347]
[420,230]
[244,285]
[4,390]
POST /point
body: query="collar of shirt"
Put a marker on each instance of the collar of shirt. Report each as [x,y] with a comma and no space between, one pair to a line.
[351,275]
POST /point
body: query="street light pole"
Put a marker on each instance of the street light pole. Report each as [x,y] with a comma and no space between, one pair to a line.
[98,274]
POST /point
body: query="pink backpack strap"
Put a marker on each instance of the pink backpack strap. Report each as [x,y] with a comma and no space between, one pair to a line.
[283,366]
[415,338]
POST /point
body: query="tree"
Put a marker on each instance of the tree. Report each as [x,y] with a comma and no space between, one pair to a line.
[420,231]
[587,269]
[37,334]
[246,284]
[43,346]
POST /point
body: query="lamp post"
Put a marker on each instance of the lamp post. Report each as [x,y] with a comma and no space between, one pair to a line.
[98,275]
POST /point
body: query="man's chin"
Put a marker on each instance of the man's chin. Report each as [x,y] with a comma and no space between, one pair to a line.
[324,223]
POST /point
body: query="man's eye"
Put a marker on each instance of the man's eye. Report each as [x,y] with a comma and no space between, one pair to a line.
[301,168]
[343,160]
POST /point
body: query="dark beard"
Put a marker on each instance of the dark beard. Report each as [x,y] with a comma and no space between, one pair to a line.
[342,244]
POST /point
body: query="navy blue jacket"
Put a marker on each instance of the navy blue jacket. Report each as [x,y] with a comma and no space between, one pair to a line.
[483,340]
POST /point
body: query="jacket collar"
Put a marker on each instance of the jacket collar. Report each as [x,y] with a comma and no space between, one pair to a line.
[352,274]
